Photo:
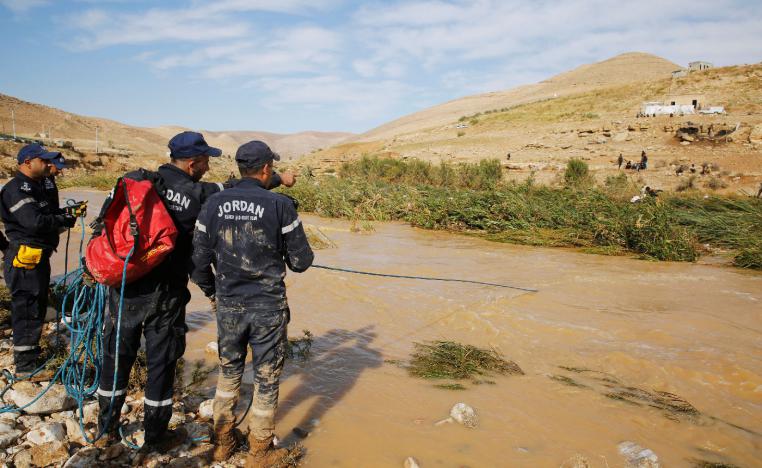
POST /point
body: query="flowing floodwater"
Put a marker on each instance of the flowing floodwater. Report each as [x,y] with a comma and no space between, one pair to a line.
[690,329]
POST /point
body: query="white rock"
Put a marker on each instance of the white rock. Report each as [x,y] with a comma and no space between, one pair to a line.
[9,438]
[212,347]
[6,344]
[637,456]
[410,462]
[464,414]
[90,412]
[9,416]
[46,432]
[53,400]
[176,419]
[73,431]
[125,408]
[84,458]
[29,421]
[7,426]
[206,409]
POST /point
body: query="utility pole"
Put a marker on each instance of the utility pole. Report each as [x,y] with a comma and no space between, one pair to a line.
[13,118]
[96,140]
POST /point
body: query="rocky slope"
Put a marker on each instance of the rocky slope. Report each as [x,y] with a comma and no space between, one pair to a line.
[588,113]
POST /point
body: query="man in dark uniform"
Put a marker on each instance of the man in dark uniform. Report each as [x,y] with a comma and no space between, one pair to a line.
[32,223]
[154,305]
[250,235]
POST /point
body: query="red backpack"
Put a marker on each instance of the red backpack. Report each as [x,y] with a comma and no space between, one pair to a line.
[134,216]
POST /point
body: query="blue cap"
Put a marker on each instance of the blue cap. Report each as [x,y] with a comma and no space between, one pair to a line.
[35,150]
[189,145]
[59,161]
[255,153]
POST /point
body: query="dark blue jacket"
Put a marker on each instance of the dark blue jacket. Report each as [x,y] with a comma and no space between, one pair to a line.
[249,235]
[28,214]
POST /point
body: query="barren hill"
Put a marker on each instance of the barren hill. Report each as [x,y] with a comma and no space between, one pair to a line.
[622,69]
[588,113]
[48,123]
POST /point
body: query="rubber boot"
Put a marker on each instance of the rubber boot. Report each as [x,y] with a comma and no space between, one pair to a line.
[263,454]
[225,442]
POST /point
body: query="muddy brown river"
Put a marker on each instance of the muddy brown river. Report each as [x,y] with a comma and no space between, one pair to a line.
[598,327]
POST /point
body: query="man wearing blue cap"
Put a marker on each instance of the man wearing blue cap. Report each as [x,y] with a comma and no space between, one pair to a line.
[154,305]
[32,224]
[250,235]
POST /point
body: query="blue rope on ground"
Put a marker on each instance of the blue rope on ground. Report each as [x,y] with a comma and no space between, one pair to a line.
[80,371]
[427,278]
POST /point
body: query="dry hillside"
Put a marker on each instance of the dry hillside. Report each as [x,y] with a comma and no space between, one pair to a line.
[588,113]
[50,124]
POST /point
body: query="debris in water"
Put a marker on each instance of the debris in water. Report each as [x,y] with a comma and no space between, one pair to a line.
[577,461]
[697,463]
[450,386]
[299,348]
[673,406]
[637,456]
[449,360]
[212,347]
[464,414]
[411,462]
[317,238]
[567,381]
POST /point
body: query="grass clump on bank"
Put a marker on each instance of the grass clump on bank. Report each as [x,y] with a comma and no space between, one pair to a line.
[472,199]
[455,361]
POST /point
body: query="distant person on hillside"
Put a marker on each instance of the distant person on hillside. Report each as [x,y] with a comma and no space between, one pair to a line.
[620,160]
[680,169]
[643,161]
[508,157]
[628,165]
[693,168]
[705,169]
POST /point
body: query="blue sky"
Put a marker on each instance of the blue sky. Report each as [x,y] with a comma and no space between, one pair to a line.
[292,65]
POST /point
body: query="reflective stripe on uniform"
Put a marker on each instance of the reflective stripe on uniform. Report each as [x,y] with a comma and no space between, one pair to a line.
[24,348]
[108,393]
[157,403]
[21,203]
[200,227]
[290,227]
[224,394]
[222,187]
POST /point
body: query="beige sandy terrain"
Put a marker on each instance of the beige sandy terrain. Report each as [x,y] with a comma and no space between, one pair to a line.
[588,113]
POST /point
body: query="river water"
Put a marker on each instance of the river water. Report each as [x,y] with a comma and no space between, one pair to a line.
[619,323]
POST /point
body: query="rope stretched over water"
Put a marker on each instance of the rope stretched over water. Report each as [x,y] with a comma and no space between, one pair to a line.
[427,278]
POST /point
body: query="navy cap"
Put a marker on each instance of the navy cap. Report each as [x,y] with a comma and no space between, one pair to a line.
[255,153]
[35,150]
[189,145]
[59,161]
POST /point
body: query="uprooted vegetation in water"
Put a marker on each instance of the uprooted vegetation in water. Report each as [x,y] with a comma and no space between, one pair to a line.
[473,198]
[456,361]
[672,406]
[299,348]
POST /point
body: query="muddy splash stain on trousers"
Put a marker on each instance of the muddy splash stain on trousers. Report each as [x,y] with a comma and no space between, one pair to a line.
[265,332]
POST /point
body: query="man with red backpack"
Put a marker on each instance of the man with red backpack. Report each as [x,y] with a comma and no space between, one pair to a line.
[154,304]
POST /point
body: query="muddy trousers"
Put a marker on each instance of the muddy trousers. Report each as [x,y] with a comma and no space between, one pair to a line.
[158,315]
[265,332]
[29,301]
